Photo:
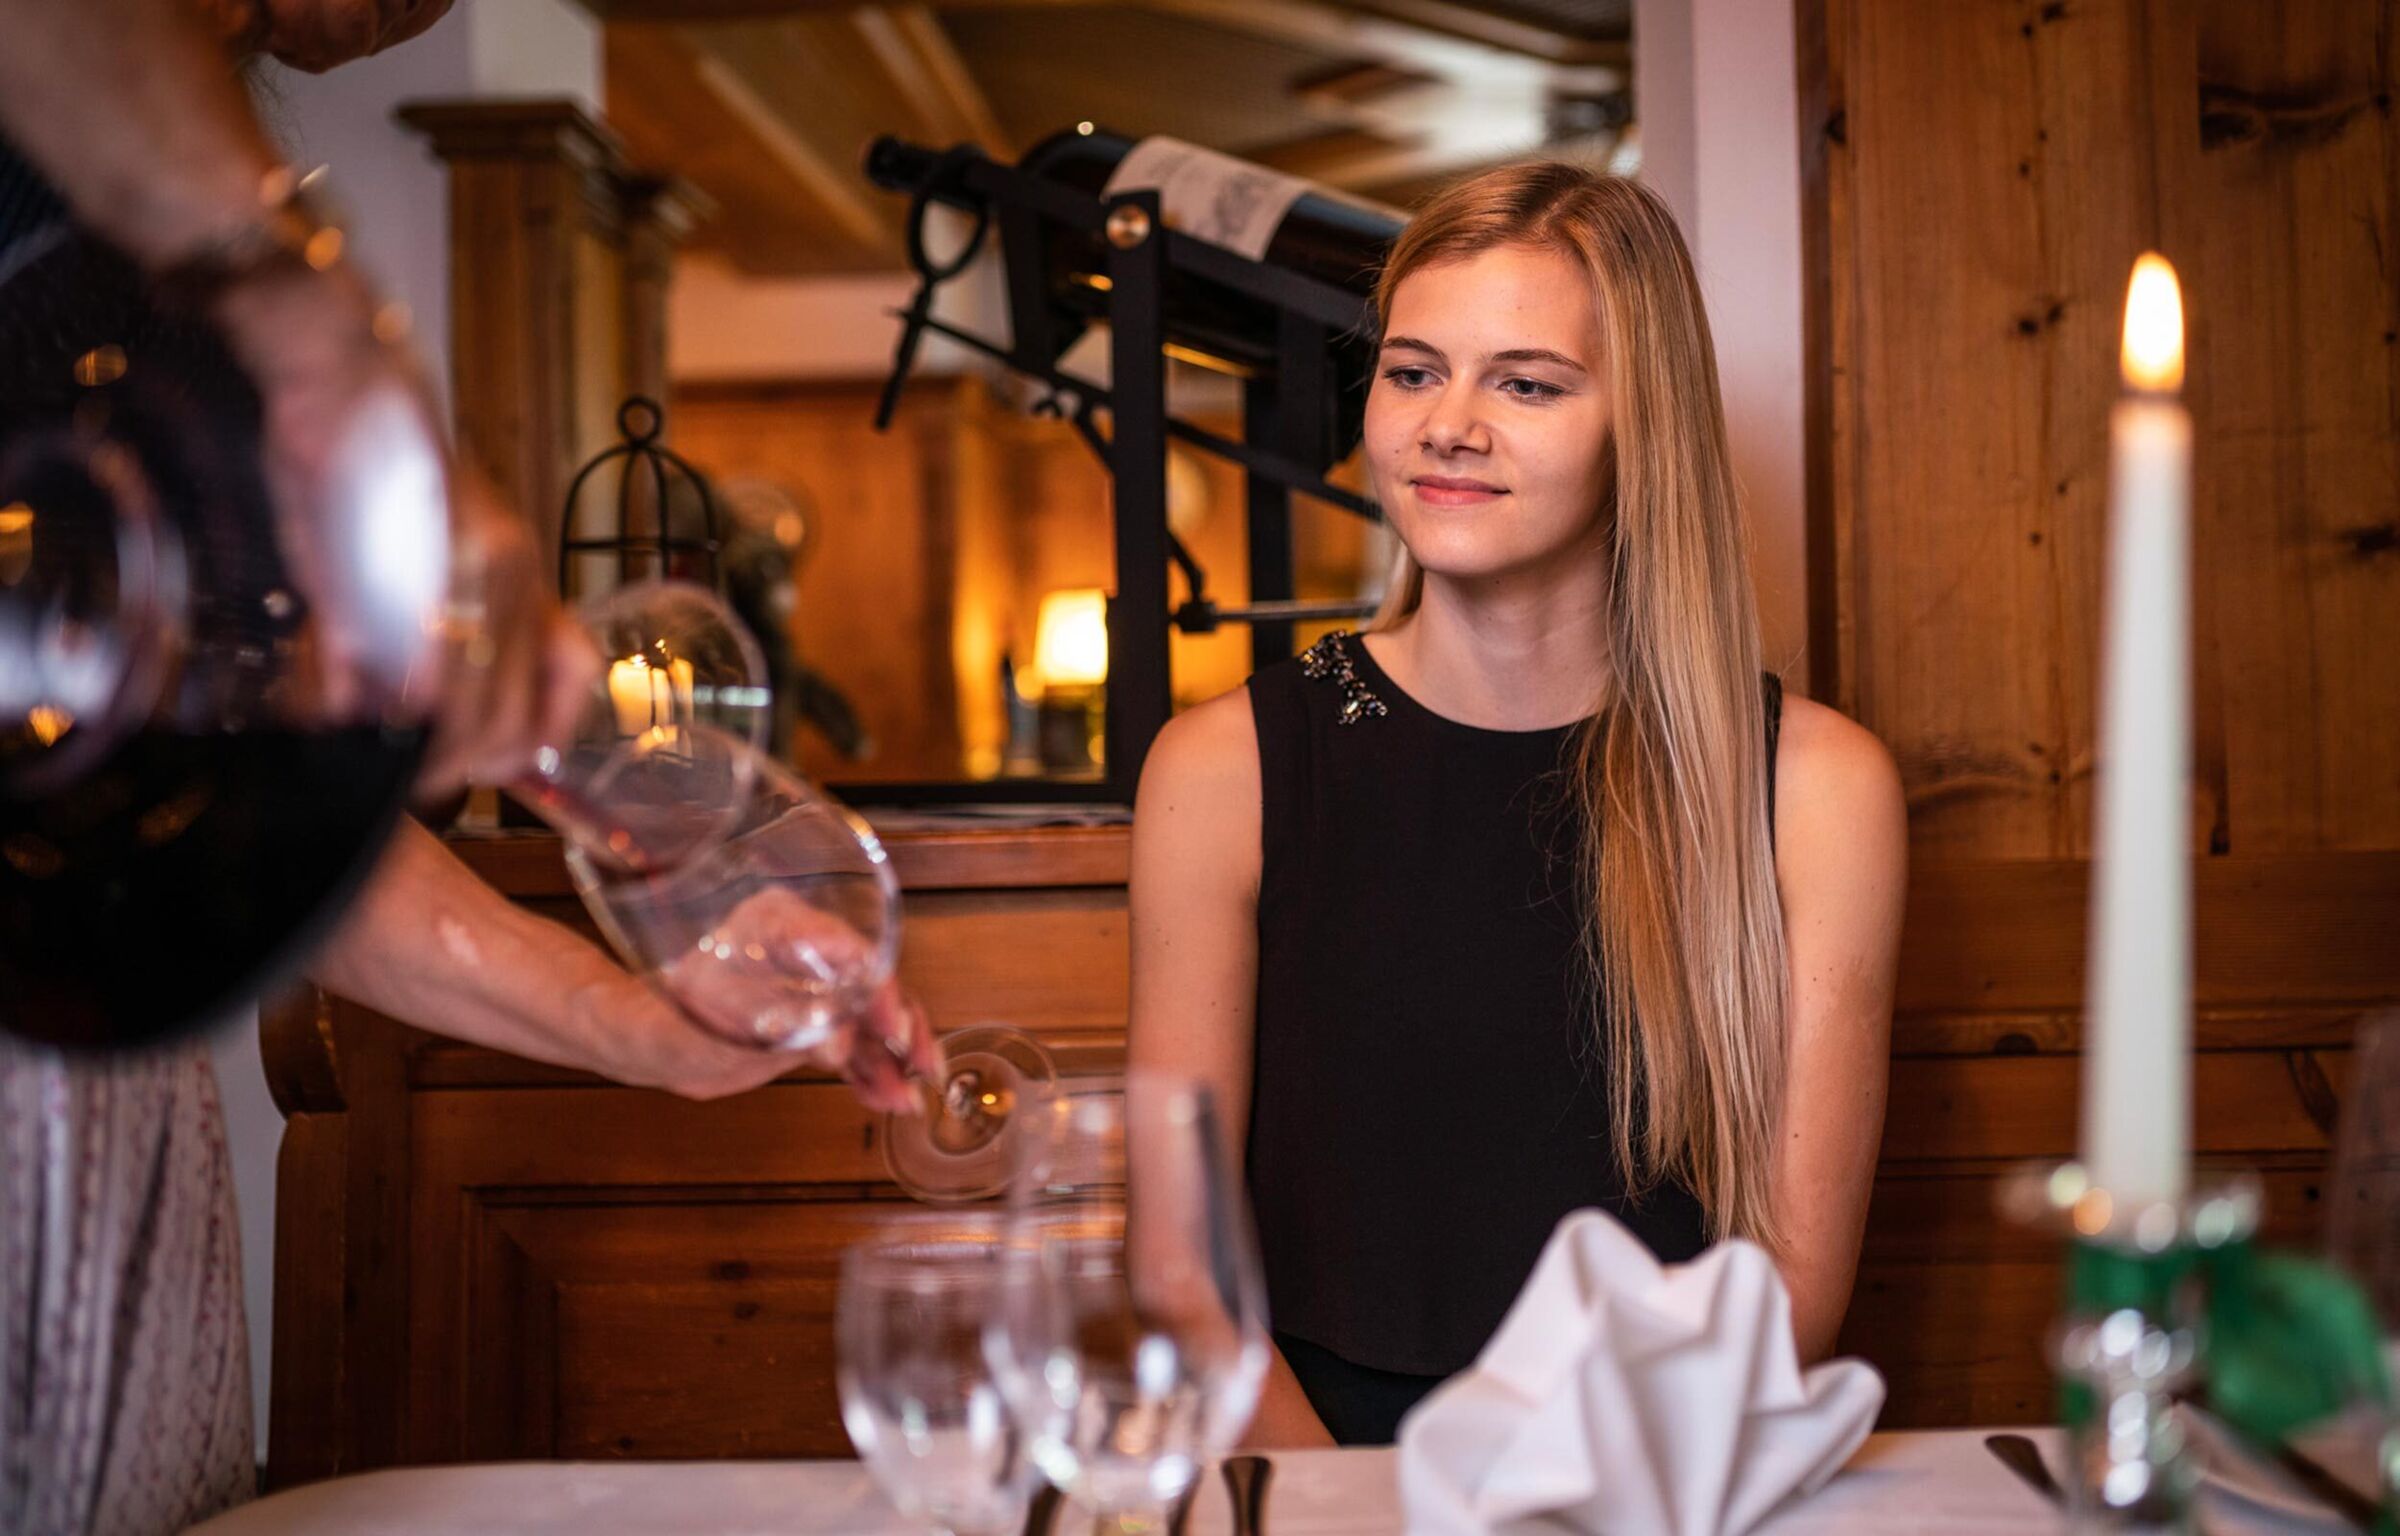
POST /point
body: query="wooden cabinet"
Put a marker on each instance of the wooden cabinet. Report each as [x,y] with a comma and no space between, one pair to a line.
[481,1258]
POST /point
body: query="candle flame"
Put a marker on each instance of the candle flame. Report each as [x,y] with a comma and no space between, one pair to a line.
[2153,358]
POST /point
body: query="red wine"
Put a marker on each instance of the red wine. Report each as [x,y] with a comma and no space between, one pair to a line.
[171,842]
[184,875]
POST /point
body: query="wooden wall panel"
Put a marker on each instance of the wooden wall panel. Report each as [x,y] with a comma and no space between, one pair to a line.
[1978,180]
[1986,173]
[2283,204]
[875,595]
[938,539]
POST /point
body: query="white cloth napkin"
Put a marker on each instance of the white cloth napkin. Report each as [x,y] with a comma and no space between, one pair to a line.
[1622,1395]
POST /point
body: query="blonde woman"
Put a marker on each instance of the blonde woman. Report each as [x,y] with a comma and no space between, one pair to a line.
[1538,896]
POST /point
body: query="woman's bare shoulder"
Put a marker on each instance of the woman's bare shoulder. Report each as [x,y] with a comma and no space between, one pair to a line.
[1824,753]
[1201,777]
[1832,771]
[1837,790]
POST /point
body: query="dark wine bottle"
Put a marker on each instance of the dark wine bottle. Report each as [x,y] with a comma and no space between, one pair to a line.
[1261,215]
[178,820]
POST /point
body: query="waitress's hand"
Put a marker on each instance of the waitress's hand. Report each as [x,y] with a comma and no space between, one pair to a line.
[620,1027]
[383,532]
[518,670]
[767,968]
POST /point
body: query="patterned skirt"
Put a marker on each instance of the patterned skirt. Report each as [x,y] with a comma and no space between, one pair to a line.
[124,1364]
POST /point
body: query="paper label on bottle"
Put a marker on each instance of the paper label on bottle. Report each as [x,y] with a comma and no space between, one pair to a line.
[1210,196]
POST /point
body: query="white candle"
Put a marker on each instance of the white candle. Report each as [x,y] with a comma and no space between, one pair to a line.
[639,693]
[2137,1100]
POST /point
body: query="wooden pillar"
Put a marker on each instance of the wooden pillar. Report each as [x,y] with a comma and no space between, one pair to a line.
[559,258]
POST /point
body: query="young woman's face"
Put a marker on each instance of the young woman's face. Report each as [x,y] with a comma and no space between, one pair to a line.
[1487,425]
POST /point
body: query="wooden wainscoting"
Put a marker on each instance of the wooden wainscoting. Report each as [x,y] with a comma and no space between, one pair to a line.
[481,1258]
[1952,1302]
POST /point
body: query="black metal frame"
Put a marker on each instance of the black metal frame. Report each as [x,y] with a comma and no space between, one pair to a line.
[1284,431]
[638,445]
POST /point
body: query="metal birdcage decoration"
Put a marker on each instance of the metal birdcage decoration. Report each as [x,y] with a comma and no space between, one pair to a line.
[647,507]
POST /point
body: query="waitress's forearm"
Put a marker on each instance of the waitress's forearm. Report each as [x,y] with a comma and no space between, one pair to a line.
[132,110]
[430,944]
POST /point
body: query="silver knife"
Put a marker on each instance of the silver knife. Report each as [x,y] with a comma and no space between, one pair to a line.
[1246,1479]
[2021,1456]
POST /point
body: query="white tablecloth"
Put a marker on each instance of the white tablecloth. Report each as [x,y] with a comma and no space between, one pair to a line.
[1899,1483]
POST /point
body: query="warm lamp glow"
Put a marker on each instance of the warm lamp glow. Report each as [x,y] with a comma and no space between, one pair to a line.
[2153,327]
[1070,640]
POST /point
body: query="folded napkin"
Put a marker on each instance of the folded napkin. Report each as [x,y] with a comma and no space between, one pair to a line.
[1623,1395]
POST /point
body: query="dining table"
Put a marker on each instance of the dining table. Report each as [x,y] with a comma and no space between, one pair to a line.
[1897,1482]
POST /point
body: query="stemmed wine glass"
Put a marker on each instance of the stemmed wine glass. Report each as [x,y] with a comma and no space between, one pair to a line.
[1132,1334]
[918,1394]
[763,906]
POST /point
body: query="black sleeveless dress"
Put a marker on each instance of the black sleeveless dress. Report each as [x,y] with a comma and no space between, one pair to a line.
[1429,1096]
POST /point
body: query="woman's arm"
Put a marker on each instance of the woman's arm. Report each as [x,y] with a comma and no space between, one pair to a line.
[428,943]
[1841,865]
[1196,859]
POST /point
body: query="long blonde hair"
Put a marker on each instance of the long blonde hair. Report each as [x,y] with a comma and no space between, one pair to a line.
[1685,955]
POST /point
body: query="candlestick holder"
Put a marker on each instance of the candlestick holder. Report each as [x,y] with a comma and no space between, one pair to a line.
[2133,1337]
[2174,1299]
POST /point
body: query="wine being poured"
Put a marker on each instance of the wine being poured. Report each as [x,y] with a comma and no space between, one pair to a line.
[767,910]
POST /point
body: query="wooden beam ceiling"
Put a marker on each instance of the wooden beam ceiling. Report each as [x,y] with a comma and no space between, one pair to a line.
[769,217]
[908,41]
[1430,18]
[767,105]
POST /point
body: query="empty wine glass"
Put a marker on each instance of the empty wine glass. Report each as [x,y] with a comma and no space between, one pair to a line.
[957,1148]
[763,906]
[1132,1332]
[633,789]
[765,909]
[2362,1232]
[918,1393]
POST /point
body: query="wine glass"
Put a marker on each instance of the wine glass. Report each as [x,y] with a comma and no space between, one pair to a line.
[634,788]
[768,911]
[2363,1223]
[918,1394]
[1132,1333]
[957,1147]
[759,903]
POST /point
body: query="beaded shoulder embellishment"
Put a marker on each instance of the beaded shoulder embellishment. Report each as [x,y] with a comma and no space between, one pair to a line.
[1330,657]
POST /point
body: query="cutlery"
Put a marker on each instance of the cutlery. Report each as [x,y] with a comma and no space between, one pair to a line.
[1180,1514]
[1042,1513]
[2021,1456]
[1246,1479]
